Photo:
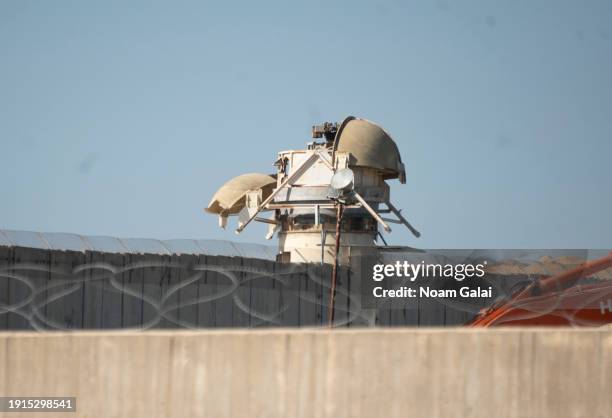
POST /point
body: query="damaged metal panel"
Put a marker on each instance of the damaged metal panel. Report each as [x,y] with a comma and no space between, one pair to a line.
[371,147]
[230,198]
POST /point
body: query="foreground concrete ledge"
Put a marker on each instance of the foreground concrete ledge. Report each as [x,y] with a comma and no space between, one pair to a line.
[135,332]
[367,372]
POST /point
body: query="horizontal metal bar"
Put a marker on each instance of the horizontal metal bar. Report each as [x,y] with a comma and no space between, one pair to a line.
[393,221]
[306,205]
[267,221]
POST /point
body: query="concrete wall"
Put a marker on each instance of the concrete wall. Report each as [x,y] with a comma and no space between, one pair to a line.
[63,290]
[307,373]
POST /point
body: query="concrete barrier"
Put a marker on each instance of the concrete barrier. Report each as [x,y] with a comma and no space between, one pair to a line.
[315,373]
[50,289]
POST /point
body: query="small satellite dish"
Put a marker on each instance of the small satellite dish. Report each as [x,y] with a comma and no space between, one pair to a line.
[342,182]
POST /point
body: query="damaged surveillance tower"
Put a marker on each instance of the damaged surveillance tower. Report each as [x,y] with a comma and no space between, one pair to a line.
[340,175]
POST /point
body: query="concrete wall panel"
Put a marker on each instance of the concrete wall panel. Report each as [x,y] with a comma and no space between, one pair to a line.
[307,373]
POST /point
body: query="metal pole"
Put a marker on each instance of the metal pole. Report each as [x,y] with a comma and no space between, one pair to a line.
[402,219]
[288,181]
[371,211]
[332,294]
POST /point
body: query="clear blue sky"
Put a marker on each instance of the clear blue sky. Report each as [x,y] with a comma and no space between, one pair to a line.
[122,118]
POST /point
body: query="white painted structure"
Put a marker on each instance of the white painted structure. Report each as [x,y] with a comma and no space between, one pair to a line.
[303,206]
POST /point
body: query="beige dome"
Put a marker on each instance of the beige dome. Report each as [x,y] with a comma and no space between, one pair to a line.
[230,198]
[371,146]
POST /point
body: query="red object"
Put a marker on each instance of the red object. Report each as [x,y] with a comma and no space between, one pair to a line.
[556,300]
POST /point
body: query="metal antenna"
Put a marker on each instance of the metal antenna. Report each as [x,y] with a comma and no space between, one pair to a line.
[332,293]
[341,185]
